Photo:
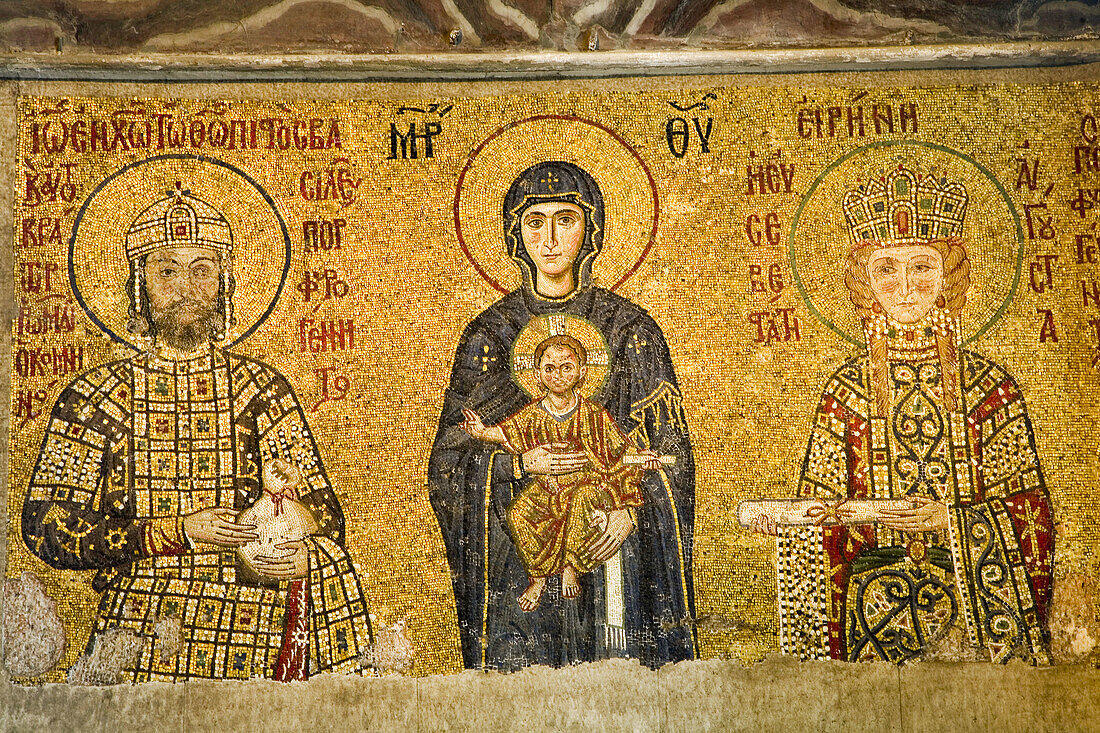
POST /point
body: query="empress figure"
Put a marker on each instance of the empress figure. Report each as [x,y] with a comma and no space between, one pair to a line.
[916,417]
[638,602]
[147,462]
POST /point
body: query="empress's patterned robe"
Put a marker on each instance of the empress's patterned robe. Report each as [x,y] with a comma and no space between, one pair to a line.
[868,592]
[135,445]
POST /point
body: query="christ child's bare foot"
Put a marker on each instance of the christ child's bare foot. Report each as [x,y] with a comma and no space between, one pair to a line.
[570,586]
[529,601]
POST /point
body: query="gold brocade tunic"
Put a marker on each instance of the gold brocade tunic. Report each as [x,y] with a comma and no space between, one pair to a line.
[551,519]
[134,446]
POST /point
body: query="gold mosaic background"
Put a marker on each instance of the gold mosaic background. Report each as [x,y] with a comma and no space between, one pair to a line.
[412,291]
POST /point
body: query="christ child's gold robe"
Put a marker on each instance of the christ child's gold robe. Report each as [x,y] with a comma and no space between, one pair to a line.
[552,519]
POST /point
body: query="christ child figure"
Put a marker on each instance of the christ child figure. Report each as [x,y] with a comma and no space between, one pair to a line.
[556,520]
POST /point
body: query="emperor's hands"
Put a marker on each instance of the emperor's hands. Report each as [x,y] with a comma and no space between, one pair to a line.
[289,566]
[218,526]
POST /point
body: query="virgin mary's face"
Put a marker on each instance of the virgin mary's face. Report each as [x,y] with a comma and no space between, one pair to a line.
[906,281]
[552,235]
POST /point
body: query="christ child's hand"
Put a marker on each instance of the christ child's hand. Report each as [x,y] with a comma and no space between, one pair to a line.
[654,462]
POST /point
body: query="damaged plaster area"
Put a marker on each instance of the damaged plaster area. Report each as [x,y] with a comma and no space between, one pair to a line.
[392,652]
[34,641]
[778,693]
[615,695]
[34,638]
[1074,621]
[104,665]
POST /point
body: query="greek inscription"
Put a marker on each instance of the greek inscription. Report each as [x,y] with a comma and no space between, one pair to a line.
[404,146]
[856,121]
[322,234]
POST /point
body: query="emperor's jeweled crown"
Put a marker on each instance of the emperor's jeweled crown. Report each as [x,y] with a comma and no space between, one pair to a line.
[178,220]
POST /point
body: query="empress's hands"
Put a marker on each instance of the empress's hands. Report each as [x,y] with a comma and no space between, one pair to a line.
[764,524]
[218,526]
[293,564]
[551,460]
[619,526]
[923,515]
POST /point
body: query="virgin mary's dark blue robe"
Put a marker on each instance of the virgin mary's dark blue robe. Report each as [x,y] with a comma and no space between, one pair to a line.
[473,482]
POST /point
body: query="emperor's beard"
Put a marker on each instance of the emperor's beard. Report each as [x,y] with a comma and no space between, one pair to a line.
[203,327]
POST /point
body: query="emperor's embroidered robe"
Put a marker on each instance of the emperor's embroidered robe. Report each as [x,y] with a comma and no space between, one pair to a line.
[131,448]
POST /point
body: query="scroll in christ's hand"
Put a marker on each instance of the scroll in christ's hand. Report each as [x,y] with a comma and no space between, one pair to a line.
[638,459]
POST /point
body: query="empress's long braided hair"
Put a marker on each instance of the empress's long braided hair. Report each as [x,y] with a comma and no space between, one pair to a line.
[956,277]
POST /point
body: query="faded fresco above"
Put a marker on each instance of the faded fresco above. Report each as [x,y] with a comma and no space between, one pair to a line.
[489,382]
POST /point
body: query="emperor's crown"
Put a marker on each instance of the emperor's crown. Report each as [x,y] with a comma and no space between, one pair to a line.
[901,207]
[180,220]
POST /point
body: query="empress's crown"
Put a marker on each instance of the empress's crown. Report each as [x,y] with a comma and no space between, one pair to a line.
[180,220]
[903,207]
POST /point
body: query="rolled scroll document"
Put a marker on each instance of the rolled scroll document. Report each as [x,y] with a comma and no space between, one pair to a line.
[633,459]
[819,512]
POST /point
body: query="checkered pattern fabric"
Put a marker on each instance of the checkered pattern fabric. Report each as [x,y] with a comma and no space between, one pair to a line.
[138,444]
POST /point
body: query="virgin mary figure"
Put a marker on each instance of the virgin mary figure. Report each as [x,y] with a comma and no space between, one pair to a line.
[639,603]
[958,555]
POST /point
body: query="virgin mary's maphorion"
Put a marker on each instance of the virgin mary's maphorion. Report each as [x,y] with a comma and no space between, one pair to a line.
[639,604]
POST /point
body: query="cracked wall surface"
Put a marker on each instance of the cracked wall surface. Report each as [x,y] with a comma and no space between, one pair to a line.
[354,26]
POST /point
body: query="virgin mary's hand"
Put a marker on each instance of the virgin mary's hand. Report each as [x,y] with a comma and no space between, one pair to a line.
[924,515]
[550,460]
[619,527]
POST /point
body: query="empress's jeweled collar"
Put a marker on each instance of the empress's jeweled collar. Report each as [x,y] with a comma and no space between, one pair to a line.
[912,341]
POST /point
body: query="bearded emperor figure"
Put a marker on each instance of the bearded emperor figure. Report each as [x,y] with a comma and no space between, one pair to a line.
[147,462]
